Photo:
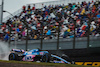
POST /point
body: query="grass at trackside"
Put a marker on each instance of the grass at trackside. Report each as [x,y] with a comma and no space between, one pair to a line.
[45,64]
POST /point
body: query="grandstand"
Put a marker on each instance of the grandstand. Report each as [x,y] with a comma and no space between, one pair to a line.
[39,5]
[48,16]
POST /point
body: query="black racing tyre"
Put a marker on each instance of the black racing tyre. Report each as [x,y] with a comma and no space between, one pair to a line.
[13,56]
[68,59]
[46,58]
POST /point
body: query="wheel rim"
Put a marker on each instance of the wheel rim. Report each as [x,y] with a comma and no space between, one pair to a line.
[45,58]
[12,57]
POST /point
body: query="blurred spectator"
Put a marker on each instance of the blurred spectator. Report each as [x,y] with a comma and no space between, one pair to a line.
[24,8]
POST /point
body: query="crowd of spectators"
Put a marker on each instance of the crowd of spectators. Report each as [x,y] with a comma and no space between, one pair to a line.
[45,21]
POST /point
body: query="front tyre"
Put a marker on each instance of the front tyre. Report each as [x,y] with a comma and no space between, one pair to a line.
[46,58]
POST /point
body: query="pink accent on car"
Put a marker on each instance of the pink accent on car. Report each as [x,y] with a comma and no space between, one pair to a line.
[41,53]
[33,57]
[62,62]
[23,59]
[23,51]
[29,58]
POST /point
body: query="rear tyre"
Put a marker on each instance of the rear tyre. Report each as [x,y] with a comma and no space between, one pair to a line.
[13,56]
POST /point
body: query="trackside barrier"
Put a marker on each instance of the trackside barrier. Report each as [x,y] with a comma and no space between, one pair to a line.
[88,63]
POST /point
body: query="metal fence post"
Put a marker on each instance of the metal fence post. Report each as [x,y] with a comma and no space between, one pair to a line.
[41,44]
[74,35]
[2,11]
[58,39]
[88,37]
[24,21]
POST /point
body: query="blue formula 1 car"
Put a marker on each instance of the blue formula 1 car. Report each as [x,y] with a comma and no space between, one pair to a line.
[36,55]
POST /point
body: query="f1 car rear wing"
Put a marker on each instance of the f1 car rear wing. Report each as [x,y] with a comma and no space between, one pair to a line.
[18,50]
